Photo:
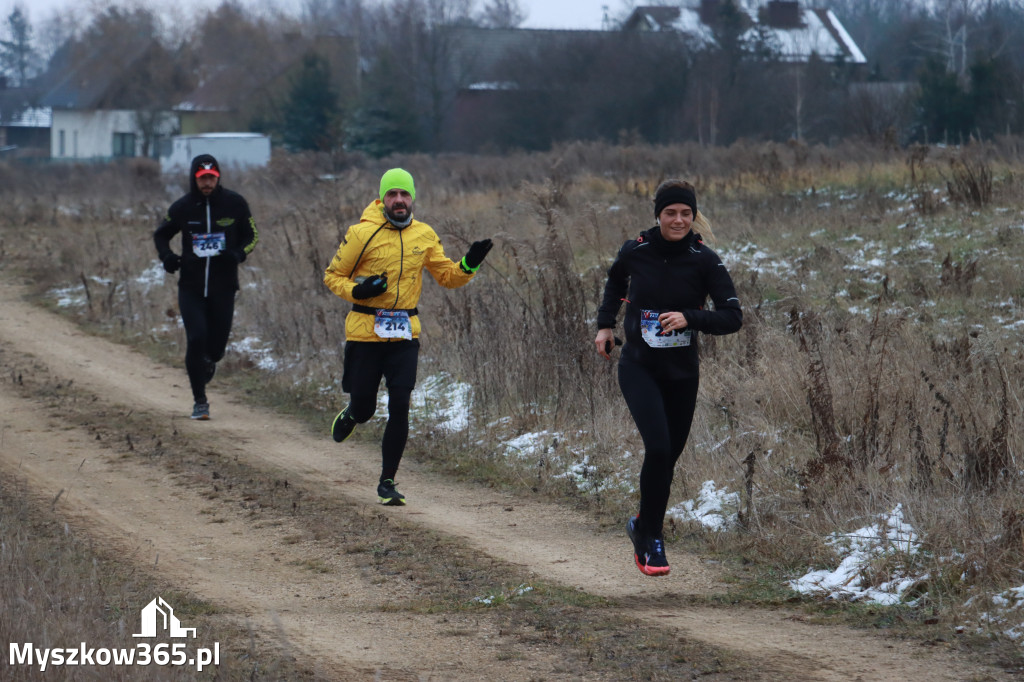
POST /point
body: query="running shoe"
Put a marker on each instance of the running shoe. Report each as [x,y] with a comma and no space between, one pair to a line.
[387,494]
[654,561]
[649,553]
[201,411]
[342,427]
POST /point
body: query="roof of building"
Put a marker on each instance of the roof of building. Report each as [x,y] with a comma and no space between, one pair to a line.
[86,80]
[33,117]
[813,32]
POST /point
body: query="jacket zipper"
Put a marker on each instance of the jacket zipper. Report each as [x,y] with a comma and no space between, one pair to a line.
[401,266]
[206,280]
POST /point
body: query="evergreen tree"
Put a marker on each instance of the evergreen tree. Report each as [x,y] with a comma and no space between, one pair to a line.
[311,117]
[944,107]
[386,121]
[994,86]
[16,53]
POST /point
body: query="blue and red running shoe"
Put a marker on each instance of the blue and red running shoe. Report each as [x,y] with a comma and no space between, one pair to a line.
[649,553]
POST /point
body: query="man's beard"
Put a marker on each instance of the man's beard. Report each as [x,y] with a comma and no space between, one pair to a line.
[399,222]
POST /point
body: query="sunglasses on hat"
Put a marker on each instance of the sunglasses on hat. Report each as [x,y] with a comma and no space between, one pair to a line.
[207,169]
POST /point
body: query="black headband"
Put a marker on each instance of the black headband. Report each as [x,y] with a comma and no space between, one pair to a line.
[674,194]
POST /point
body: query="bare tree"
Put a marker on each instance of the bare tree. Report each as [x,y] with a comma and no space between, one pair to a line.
[57,30]
[503,14]
[955,16]
[334,17]
[880,112]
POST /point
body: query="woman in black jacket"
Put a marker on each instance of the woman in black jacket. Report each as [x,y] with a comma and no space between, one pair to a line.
[665,277]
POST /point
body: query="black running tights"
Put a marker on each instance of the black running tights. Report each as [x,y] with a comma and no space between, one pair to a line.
[207,323]
[366,362]
[663,412]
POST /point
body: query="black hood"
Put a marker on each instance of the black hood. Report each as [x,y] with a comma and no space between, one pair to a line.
[201,160]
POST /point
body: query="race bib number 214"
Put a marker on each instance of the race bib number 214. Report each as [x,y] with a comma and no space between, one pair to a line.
[392,324]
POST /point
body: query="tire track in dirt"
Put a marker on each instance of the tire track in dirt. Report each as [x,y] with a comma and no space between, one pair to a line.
[296,595]
[554,543]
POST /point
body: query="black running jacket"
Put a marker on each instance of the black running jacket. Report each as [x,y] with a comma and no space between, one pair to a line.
[195,216]
[655,275]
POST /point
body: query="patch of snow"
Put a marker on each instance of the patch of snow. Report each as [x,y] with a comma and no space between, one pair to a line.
[889,537]
[256,351]
[529,444]
[442,400]
[714,508]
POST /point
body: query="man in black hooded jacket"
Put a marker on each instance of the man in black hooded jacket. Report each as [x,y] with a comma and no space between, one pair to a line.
[217,233]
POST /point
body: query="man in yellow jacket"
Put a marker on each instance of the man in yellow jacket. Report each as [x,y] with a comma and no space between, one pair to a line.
[379,268]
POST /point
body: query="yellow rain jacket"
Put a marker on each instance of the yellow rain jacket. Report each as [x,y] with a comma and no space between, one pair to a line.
[374,246]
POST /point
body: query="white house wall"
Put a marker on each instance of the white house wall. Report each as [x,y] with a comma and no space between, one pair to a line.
[90,134]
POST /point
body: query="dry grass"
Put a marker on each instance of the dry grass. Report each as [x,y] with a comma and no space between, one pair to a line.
[878,363]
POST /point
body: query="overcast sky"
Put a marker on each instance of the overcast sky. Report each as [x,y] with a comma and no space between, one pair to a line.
[542,13]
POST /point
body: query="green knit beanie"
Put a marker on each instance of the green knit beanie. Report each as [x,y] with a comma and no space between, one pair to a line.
[397,178]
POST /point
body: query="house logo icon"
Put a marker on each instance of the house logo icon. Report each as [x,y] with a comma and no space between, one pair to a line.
[159,614]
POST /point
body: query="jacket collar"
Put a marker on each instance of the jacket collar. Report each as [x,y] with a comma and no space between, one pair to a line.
[653,235]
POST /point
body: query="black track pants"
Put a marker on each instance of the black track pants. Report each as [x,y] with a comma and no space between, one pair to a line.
[207,325]
[663,412]
[366,362]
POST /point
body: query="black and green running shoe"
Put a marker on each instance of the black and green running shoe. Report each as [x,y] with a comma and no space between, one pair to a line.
[387,494]
[343,426]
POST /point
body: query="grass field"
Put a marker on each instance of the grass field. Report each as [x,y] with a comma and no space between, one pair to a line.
[877,368]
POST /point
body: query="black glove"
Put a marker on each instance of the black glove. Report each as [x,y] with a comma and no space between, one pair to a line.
[371,286]
[172,262]
[476,254]
[238,255]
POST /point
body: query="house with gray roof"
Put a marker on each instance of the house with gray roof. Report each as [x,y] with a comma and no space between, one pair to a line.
[97,98]
[237,96]
[797,31]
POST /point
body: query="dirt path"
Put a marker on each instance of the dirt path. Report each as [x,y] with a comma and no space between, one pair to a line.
[258,572]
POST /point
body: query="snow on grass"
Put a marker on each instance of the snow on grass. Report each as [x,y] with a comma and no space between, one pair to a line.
[588,479]
[152,276]
[1007,613]
[572,460]
[69,297]
[714,508]
[502,596]
[444,401]
[755,259]
[74,296]
[890,540]
[437,403]
[530,445]
[257,351]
